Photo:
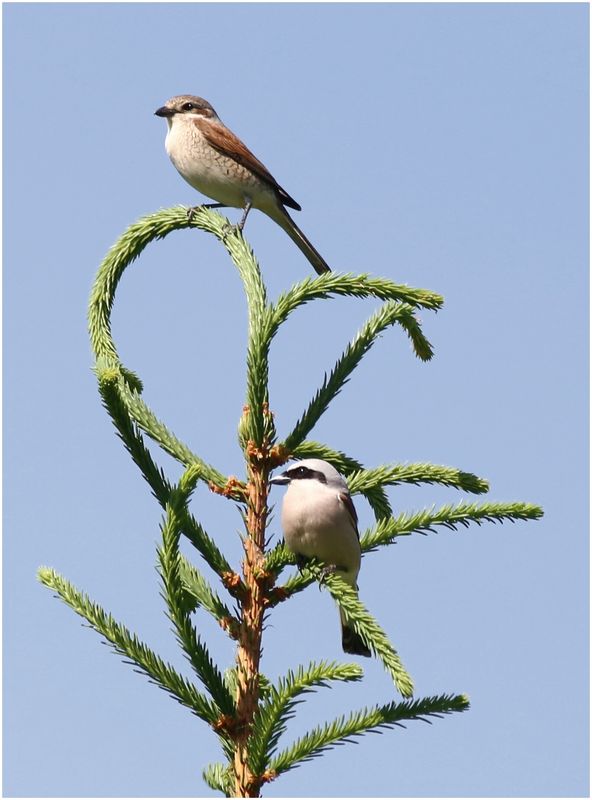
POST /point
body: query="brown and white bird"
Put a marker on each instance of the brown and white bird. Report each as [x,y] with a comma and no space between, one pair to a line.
[319,521]
[216,163]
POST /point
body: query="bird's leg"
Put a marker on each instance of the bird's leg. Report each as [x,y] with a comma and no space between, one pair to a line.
[191,211]
[327,569]
[248,207]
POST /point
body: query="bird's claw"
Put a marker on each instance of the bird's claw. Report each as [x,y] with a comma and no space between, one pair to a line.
[194,209]
[301,561]
[328,569]
[228,229]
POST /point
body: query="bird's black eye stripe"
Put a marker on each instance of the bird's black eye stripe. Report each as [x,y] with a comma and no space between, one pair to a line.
[188,106]
[302,473]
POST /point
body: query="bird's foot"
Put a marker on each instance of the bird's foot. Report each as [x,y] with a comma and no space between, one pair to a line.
[194,209]
[328,569]
[228,229]
[301,561]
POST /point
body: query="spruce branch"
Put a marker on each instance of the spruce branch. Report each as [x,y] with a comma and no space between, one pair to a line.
[248,713]
[391,475]
[342,462]
[203,596]
[278,558]
[280,703]
[174,594]
[296,583]
[257,423]
[127,644]
[364,624]
[129,247]
[220,778]
[389,314]
[123,253]
[109,380]
[334,283]
[109,383]
[159,433]
[344,729]
[231,680]
[349,602]
[448,516]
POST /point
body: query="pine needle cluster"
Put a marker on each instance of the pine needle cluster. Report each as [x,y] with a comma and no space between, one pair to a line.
[248,713]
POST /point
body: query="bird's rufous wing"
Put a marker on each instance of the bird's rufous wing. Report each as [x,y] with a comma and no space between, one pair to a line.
[224,141]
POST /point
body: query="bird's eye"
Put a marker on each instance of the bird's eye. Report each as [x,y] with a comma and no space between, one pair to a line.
[187,106]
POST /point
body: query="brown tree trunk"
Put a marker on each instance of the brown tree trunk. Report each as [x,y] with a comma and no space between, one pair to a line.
[249,647]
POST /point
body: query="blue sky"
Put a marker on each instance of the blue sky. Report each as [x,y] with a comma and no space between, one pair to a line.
[442,146]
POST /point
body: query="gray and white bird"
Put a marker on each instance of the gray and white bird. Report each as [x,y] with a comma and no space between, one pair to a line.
[319,521]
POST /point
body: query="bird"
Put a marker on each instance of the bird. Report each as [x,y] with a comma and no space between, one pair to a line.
[214,161]
[319,520]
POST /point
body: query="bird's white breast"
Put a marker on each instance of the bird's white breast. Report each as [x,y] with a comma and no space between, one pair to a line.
[202,166]
[316,523]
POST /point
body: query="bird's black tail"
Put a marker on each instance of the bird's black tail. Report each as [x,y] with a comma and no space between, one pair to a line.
[285,221]
[352,642]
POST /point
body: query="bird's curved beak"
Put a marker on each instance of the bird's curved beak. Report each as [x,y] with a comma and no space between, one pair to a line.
[164,111]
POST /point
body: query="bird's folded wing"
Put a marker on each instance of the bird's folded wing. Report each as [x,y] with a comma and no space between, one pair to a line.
[225,142]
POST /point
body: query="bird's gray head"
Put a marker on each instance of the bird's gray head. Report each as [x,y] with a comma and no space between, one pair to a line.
[312,469]
[186,105]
